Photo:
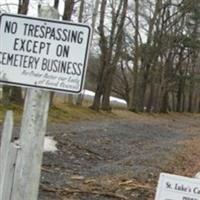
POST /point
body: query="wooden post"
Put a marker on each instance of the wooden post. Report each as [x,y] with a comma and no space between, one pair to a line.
[8,154]
[29,158]
[33,129]
[5,139]
[8,172]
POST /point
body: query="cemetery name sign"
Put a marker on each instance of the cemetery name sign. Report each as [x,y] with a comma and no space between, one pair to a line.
[173,187]
[43,53]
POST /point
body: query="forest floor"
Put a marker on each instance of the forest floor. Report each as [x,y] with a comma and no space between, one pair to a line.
[119,156]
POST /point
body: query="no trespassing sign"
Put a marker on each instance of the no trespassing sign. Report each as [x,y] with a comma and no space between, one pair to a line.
[43,53]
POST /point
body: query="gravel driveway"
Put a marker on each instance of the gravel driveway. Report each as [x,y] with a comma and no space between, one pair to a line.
[99,160]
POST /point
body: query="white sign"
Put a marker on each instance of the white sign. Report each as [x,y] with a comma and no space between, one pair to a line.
[172,187]
[43,53]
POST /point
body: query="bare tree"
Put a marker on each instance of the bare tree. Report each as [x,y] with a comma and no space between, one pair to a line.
[133,94]
[93,24]
[110,47]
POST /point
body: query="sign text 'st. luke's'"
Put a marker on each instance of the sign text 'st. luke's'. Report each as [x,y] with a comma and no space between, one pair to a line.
[172,187]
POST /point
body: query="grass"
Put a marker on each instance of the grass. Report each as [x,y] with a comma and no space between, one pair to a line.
[17,110]
[64,113]
[59,113]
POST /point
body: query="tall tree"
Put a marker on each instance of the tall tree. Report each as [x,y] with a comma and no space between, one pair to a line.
[194,25]
[68,11]
[93,25]
[133,104]
[110,47]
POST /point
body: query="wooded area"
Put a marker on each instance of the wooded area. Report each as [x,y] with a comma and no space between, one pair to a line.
[143,51]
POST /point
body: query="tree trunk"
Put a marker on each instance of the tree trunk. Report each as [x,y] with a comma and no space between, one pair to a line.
[150,107]
[134,92]
[95,13]
[173,102]
[80,97]
[191,95]
[23,7]
[183,103]
[112,63]
[142,84]
[68,10]
[81,9]
[56,3]
[6,94]
[179,95]
[16,93]
[164,102]
[97,98]
[107,91]
[103,59]
[199,107]
[157,98]
[110,53]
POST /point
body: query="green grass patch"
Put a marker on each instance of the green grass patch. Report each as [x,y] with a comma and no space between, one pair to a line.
[59,113]
[17,110]
[64,113]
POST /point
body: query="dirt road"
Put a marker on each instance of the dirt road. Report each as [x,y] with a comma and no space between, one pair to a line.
[119,158]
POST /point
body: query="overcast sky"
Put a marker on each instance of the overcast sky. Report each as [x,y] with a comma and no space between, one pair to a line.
[10,6]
